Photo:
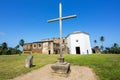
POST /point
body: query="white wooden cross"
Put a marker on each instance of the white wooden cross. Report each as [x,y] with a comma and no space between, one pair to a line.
[60,24]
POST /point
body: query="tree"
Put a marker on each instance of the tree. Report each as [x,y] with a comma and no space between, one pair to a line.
[115,45]
[101,47]
[13,51]
[21,42]
[17,50]
[102,39]
[95,41]
[4,48]
[115,49]
[17,47]
[4,45]
[0,50]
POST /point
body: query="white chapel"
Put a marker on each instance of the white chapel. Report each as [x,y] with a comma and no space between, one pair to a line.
[79,43]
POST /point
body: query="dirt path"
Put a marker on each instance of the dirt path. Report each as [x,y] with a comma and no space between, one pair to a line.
[46,73]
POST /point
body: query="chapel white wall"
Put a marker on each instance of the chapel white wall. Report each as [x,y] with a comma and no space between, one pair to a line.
[83,43]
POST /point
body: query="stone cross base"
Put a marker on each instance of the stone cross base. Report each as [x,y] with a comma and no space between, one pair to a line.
[61,67]
[61,60]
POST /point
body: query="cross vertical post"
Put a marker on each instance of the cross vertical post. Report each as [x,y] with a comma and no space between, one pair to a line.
[61,59]
[60,23]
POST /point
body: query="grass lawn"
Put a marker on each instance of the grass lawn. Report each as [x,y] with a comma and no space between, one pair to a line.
[14,65]
[106,66]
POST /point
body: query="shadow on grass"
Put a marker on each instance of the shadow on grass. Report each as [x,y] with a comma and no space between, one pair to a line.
[33,65]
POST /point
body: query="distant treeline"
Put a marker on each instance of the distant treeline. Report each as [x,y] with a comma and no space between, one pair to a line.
[5,50]
[115,49]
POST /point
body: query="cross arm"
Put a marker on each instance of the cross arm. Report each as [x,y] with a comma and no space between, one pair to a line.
[63,18]
[53,20]
[67,17]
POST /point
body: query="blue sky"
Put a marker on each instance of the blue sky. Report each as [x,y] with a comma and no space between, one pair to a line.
[27,19]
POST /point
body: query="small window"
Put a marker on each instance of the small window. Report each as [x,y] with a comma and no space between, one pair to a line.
[76,40]
[39,45]
[34,45]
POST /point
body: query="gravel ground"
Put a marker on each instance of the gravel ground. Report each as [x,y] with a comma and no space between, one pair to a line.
[46,73]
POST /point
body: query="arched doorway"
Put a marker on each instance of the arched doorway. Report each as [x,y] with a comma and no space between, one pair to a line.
[77,50]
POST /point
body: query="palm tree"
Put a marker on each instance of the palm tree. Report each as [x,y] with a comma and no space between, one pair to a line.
[17,47]
[101,47]
[4,46]
[95,41]
[115,45]
[21,42]
[0,46]
[102,39]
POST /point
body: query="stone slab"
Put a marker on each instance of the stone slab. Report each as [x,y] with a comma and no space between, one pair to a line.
[29,61]
[61,67]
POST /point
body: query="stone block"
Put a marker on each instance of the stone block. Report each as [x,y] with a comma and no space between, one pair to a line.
[61,67]
[29,61]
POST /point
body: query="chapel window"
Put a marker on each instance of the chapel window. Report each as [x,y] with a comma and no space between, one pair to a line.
[76,40]
[34,45]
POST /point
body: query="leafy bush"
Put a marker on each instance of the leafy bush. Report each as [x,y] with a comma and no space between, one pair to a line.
[13,51]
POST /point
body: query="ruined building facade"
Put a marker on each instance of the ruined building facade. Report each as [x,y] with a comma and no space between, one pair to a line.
[46,46]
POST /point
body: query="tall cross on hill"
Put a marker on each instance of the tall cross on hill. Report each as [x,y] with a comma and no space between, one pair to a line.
[61,59]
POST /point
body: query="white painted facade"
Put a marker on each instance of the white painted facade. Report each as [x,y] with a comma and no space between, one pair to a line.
[79,43]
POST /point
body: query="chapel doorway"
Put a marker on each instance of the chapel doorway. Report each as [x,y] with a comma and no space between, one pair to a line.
[77,50]
[49,52]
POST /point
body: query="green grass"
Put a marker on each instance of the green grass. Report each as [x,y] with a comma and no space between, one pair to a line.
[14,65]
[106,66]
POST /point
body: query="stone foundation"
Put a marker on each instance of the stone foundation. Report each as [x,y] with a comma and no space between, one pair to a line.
[61,67]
